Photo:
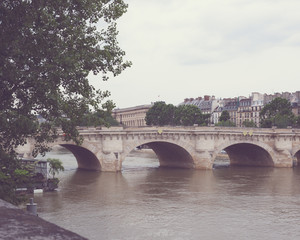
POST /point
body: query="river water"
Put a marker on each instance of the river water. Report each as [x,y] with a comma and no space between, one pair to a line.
[147,202]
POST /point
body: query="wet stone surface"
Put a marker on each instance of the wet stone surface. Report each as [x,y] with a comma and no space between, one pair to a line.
[15,223]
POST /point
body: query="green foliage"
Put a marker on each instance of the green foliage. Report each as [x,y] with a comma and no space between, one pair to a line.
[47,50]
[167,114]
[297,122]
[206,119]
[225,116]
[188,115]
[160,114]
[12,176]
[277,113]
[248,123]
[100,117]
[55,166]
[227,123]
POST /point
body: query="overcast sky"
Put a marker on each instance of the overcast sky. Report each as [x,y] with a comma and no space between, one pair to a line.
[192,48]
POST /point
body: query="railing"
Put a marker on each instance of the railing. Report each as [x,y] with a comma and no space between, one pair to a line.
[190,130]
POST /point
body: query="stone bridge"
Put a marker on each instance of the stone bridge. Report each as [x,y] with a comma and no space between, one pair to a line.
[184,147]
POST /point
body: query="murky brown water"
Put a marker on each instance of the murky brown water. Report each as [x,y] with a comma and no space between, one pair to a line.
[146,202]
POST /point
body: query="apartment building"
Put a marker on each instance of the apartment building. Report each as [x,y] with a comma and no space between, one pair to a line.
[216,114]
[257,103]
[241,108]
[207,104]
[244,111]
[293,98]
[231,106]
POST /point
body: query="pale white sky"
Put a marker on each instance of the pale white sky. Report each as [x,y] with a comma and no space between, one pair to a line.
[192,48]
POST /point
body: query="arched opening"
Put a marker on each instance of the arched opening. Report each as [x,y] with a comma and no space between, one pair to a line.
[161,154]
[141,157]
[64,155]
[172,155]
[297,158]
[221,160]
[85,158]
[73,156]
[246,154]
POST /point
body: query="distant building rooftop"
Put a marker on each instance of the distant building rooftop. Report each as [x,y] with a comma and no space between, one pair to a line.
[133,108]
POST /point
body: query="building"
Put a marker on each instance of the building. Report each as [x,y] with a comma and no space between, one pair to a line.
[270,97]
[216,114]
[295,101]
[132,116]
[293,98]
[257,103]
[207,105]
[231,106]
[240,108]
[244,111]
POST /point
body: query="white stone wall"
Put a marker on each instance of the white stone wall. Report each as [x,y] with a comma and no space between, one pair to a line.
[202,144]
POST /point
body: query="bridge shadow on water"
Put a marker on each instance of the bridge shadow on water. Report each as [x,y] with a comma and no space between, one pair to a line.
[141,171]
[157,184]
[144,196]
[97,195]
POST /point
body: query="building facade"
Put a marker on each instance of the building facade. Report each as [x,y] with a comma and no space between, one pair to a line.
[244,112]
[296,103]
[257,103]
[240,108]
[231,106]
[207,105]
[132,116]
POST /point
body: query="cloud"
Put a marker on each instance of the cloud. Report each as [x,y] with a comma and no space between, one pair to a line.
[190,48]
[228,31]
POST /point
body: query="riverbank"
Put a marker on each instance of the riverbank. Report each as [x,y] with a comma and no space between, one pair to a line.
[15,224]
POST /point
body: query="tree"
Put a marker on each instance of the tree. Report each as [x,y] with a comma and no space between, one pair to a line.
[248,123]
[55,166]
[206,119]
[297,122]
[224,120]
[167,114]
[12,176]
[227,123]
[188,115]
[277,113]
[160,114]
[224,116]
[47,50]
[100,117]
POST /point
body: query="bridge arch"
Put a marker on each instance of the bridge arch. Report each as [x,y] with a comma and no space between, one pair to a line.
[247,154]
[85,158]
[168,153]
[296,154]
